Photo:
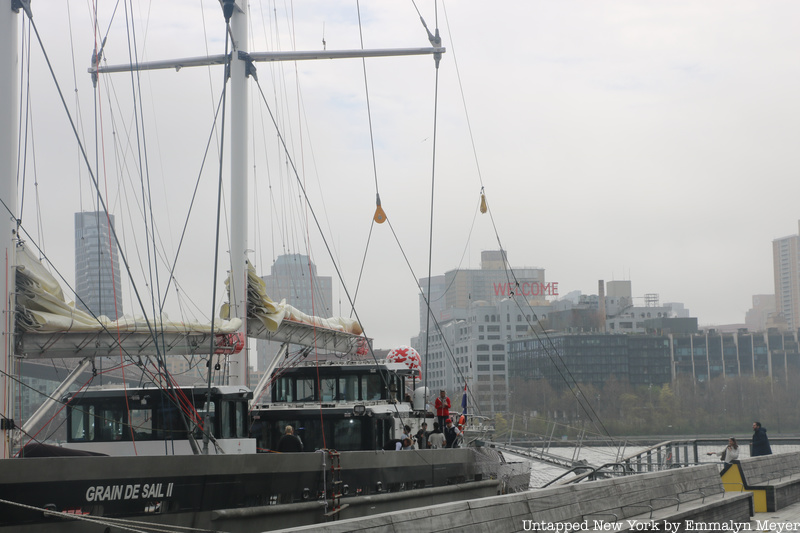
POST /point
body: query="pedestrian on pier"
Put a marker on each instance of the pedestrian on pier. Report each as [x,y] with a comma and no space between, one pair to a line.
[760,443]
[728,454]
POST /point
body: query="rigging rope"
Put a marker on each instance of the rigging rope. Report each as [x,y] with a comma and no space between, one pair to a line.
[228,11]
[290,161]
[433,188]
[88,165]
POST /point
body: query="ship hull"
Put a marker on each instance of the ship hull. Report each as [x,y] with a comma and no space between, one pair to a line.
[253,492]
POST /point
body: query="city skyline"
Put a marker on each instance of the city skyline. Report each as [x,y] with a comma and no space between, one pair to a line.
[614,140]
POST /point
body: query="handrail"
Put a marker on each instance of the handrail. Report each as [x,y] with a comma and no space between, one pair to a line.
[616,518]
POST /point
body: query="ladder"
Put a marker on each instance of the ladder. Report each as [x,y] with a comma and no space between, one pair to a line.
[336,486]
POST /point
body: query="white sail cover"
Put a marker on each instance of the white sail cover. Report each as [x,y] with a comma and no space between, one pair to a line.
[41,308]
[261,307]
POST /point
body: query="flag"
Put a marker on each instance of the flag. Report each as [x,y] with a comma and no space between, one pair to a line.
[464,404]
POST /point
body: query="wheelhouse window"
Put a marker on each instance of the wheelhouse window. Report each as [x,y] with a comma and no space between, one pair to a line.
[348,388]
[371,387]
[154,416]
[328,389]
[305,390]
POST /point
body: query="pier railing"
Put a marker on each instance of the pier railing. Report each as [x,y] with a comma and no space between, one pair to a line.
[685,452]
[676,453]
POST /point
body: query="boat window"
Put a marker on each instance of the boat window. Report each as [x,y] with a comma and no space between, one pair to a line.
[168,424]
[348,388]
[112,423]
[371,387]
[225,420]
[201,415]
[347,434]
[283,389]
[241,419]
[305,389]
[141,424]
[328,386]
[80,429]
[395,388]
[232,421]
[306,431]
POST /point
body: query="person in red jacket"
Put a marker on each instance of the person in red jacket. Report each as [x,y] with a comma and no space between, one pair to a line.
[442,405]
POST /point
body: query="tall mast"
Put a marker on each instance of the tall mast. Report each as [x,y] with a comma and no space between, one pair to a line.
[9,115]
[239,165]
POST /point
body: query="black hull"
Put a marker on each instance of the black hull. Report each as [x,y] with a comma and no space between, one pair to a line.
[232,492]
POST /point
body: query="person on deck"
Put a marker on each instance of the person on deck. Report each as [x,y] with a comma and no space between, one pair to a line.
[760,442]
[728,454]
[451,434]
[442,405]
[407,435]
[290,442]
[422,437]
[436,439]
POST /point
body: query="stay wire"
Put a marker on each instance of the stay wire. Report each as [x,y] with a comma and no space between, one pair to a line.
[25,81]
[85,158]
[131,357]
[211,135]
[290,161]
[572,383]
[433,195]
[494,226]
[211,351]
[461,90]
[363,264]
[429,317]
[144,177]
[369,111]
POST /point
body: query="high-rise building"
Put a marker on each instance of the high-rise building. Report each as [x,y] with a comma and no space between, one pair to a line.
[293,277]
[98,280]
[493,282]
[476,317]
[786,265]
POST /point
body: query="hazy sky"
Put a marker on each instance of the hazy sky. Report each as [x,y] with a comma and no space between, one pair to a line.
[641,140]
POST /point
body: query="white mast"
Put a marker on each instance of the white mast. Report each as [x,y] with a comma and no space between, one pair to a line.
[9,116]
[239,164]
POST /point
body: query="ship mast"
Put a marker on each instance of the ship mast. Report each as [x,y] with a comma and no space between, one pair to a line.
[9,115]
[239,165]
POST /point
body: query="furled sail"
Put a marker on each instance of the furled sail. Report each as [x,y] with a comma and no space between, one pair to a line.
[272,314]
[42,308]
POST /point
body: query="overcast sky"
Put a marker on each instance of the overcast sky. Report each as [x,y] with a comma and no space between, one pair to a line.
[650,141]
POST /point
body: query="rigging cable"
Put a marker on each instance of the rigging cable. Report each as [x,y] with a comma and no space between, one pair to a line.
[380,215]
[435,41]
[84,156]
[227,9]
[141,144]
[316,221]
[99,137]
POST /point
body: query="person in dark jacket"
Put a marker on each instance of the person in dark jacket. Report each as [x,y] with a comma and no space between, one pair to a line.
[760,444]
[451,434]
[290,442]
